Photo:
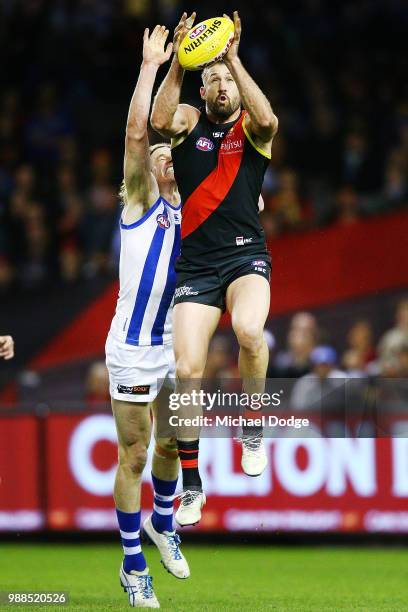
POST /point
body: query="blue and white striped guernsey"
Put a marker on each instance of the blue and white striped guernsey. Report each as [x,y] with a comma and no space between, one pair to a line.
[149,248]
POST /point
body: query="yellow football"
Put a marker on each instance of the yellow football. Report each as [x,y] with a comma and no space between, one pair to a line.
[206,43]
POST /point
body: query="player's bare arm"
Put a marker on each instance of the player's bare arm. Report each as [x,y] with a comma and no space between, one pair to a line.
[170,118]
[140,185]
[261,122]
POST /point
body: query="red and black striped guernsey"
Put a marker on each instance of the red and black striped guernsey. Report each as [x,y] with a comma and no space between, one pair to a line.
[219,173]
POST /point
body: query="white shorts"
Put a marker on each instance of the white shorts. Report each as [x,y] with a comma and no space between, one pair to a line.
[137,373]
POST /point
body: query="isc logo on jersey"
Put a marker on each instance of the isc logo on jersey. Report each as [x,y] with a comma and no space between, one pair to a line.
[162,221]
[204,144]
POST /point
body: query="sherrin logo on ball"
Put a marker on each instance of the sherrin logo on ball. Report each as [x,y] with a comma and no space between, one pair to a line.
[206,43]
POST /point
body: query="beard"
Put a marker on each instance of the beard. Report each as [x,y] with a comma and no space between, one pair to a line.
[222,110]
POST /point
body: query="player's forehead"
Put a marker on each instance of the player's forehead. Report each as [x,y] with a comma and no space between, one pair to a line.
[217,70]
[162,152]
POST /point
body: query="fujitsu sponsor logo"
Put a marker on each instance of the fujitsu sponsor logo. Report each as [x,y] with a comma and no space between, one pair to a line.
[232,146]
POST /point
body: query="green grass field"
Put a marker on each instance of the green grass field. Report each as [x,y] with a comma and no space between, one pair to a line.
[223,578]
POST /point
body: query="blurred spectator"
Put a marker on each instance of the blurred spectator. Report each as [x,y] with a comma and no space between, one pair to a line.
[97,384]
[101,215]
[360,347]
[347,203]
[392,341]
[221,363]
[324,387]
[46,128]
[403,360]
[295,360]
[70,208]
[285,206]
[356,164]
[396,187]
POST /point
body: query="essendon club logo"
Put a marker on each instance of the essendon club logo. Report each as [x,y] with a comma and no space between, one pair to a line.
[204,144]
[162,221]
[134,390]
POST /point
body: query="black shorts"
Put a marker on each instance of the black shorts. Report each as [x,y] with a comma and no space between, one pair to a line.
[209,285]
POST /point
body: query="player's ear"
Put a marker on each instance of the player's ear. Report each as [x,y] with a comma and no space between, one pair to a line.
[202,92]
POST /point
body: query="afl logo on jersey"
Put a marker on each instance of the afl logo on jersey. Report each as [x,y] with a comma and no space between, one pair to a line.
[204,144]
[162,221]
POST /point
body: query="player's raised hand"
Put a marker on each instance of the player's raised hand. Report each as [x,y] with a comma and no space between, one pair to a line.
[185,24]
[233,50]
[154,46]
[6,347]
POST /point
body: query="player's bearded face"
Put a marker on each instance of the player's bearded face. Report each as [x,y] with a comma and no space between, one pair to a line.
[220,92]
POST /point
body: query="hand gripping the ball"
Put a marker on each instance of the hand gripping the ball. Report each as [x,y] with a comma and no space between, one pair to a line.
[233,50]
[154,46]
[185,24]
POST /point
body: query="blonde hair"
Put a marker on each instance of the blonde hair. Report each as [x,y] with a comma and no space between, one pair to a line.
[123,193]
[158,145]
[122,190]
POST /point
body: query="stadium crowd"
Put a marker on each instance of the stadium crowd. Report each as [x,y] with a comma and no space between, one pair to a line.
[308,350]
[308,346]
[339,91]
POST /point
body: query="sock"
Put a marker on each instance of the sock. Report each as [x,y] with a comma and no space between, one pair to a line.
[188,453]
[252,430]
[162,517]
[129,525]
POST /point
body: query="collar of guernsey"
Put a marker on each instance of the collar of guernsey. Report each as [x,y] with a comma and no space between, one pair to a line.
[218,169]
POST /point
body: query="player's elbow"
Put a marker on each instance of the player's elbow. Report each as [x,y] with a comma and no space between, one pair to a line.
[274,124]
[135,132]
[268,125]
[158,122]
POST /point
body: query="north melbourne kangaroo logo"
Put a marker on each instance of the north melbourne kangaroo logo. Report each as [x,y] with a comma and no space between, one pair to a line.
[162,221]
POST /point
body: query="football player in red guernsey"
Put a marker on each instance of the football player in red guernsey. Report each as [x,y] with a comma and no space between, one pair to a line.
[220,154]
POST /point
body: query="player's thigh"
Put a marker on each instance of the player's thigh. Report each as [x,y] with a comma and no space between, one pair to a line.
[133,423]
[193,327]
[248,302]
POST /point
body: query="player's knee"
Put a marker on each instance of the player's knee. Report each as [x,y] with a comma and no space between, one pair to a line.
[133,457]
[188,370]
[249,336]
[166,448]
[169,444]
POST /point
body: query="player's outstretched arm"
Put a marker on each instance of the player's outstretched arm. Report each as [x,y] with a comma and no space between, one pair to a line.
[262,123]
[170,118]
[139,182]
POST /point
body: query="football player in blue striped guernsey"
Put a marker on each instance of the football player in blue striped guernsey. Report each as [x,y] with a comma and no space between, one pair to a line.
[139,350]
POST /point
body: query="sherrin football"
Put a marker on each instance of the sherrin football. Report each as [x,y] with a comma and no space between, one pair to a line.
[206,43]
